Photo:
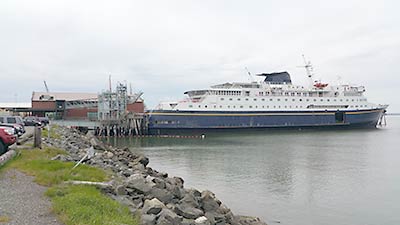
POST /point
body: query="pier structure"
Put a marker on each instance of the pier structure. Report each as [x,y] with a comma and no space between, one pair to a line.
[113,116]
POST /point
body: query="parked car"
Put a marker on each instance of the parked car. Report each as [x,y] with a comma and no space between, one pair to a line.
[32,121]
[7,138]
[15,121]
[44,120]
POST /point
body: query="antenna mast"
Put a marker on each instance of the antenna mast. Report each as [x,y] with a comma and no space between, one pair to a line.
[310,70]
[251,76]
[109,83]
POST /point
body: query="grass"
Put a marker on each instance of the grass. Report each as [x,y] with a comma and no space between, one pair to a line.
[53,133]
[4,219]
[86,205]
[74,204]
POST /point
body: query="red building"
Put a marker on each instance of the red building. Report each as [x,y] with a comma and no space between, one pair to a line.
[72,106]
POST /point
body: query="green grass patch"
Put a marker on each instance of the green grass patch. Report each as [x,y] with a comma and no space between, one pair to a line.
[53,132]
[49,172]
[4,219]
[74,204]
[86,205]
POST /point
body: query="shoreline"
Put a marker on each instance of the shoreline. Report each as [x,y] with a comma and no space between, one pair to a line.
[158,198]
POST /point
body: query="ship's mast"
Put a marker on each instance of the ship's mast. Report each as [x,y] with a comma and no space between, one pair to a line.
[310,71]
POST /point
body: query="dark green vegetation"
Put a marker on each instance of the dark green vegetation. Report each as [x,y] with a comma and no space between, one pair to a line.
[74,204]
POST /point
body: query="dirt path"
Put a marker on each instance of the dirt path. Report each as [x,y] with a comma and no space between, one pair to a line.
[22,201]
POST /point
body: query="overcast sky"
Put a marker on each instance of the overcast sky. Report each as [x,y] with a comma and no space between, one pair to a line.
[167,47]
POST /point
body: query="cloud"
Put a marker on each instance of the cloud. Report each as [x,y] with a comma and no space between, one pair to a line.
[167,47]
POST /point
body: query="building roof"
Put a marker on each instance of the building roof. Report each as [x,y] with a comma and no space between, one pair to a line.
[67,96]
[15,105]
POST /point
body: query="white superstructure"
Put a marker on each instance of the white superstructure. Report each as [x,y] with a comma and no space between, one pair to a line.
[272,96]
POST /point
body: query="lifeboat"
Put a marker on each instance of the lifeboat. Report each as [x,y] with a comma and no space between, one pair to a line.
[320,85]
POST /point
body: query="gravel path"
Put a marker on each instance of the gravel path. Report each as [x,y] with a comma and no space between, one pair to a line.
[22,201]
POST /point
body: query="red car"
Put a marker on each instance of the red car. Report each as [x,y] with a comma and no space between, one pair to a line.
[7,138]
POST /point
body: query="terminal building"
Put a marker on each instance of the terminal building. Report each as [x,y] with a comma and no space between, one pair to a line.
[72,106]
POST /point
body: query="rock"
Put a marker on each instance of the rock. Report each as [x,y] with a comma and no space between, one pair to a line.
[188,222]
[168,217]
[109,155]
[153,206]
[159,183]
[248,220]
[148,219]
[98,145]
[139,183]
[120,190]
[178,192]
[223,209]
[194,192]
[188,211]
[160,199]
[190,199]
[202,220]
[208,201]
[162,194]
[142,160]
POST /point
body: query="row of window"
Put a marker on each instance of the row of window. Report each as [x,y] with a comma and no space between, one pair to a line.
[225,92]
[285,106]
[300,99]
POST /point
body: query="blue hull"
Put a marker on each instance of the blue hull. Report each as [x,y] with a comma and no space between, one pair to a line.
[173,122]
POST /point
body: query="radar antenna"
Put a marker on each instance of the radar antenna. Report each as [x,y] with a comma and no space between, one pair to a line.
[309,69]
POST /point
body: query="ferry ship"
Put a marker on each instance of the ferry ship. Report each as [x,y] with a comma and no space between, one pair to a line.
[272,103]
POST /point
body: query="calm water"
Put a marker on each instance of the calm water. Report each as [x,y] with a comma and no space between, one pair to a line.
[291,177]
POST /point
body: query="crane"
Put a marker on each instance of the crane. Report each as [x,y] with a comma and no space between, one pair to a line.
[45,86]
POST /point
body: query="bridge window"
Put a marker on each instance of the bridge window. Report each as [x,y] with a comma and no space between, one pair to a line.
[190,106]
